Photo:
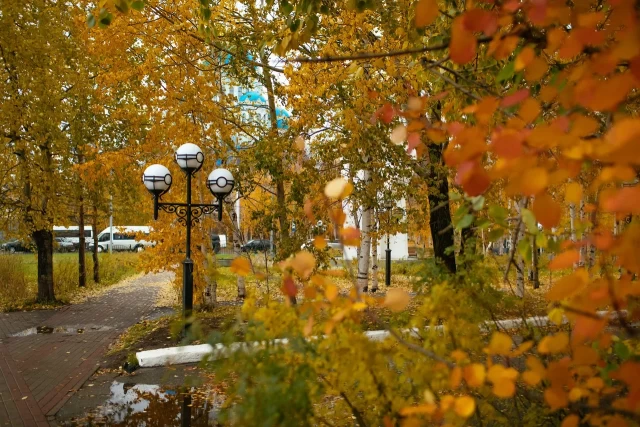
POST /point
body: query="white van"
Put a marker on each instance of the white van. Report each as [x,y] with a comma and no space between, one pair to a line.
[123,238]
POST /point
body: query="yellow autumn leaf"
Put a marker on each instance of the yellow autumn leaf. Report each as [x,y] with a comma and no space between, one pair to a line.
[425,408]
[331,291]
[504,388]
[338,188]
[531,378]
[303,263]
[474,374]
[556,316]
[573,193]
[396,299]
[359,306]
[240,266]
[465,406]
[500,344]
[299,143]
[554,343]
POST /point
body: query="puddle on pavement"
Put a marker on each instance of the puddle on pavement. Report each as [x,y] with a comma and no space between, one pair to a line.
[61,330]
[153,405]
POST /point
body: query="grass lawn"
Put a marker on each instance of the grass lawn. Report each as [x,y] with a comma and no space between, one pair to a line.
[19,273]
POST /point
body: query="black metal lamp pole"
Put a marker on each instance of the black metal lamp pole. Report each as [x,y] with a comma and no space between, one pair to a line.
[387,270]
[157,179]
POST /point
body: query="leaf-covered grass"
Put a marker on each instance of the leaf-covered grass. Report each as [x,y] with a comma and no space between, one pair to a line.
[18,277]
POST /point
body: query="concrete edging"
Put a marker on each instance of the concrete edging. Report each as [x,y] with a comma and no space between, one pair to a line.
[195,353]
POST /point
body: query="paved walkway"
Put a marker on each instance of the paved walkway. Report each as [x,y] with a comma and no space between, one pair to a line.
[39,372]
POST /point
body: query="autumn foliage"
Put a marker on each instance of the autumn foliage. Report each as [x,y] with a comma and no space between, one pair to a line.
[529,111]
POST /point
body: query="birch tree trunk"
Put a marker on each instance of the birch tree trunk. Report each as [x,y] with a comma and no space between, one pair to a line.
[365,248]
[374,266]
[365,243]
[237,241]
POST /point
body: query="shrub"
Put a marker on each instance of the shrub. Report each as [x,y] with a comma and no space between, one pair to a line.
[14,285]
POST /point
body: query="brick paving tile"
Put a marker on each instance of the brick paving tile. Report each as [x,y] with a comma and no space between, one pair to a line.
[49,368]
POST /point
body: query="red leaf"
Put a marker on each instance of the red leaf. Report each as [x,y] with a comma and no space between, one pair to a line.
[289,287]
[413,140]
[462,48]
[476,20]
[472,177]
[386,113]
[515,98]
[537,12]
[507,143]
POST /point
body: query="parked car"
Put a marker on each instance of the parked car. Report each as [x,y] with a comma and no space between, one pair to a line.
[64,244]
[15,245]
[123,238]
[256,245]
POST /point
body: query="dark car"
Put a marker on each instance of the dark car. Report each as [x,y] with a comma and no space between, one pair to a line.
[256,245]
[15,245]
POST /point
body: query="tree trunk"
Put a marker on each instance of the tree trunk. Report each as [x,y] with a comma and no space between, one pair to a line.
[44,244]
[237,241]
[439,213]
[82,268]
[518,258]
[374,260]
[365,244]
[284,243]
[468,245]
[535,273]
[96,262]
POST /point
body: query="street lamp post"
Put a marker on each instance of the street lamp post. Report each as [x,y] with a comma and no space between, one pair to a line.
[157,179]
[387,269]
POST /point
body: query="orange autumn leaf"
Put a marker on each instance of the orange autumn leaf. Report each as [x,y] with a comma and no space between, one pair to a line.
[396,299]
[533,181]
[350,236]
[547,210]
[529,110]
[523,59]
[319,242]
[303,263]
[571,421]
[474,374]
[625,201]
[552,344]
[569,285]
[556,398]
[573,193]
[462,48]
[426,12]
[240,266]
[564,260]
[536,70]
[331,292]
[465,406]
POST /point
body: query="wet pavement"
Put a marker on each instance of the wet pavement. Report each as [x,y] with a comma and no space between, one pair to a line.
[150,397]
